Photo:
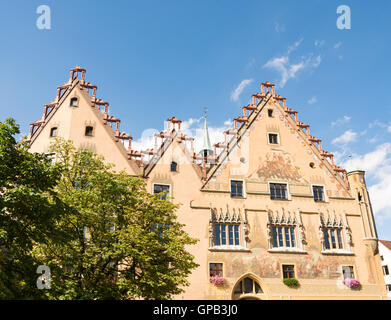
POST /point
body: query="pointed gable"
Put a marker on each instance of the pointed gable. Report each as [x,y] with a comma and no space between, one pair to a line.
[77,116]
[269,144]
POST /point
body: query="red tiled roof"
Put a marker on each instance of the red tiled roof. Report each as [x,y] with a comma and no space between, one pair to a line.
[386,243]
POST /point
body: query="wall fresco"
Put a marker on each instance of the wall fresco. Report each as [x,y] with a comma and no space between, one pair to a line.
[277,166]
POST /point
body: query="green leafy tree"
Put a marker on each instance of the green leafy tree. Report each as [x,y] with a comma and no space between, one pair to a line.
[125,243]
[29,210]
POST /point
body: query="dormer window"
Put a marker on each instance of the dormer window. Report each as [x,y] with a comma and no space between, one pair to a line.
[89,131]
[53,132]
[74,102]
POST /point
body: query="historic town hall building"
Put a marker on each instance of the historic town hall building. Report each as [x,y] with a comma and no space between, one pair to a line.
[267,203]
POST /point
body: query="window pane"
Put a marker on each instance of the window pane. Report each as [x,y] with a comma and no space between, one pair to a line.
[333,239]
[236,188]
[223,235]
[238,288]
[288,271]
[236,235]
[340,246]
[257,288]
[216,269]
[326,238]
[287,240]
[248,285]
[292,230]
[217,234]
[160,189]
[283,191]
[230,234]
[280,239]
[274,233]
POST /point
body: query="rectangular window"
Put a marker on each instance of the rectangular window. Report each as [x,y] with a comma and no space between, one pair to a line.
[326,238]
[283,237]
[217,235]
[273,138]
[224,231]
[333,238]
[347,272]
[318,193]
[278,191]
[280,239]
[89,131]
[236,228]
[230,234]
[159,188]
[287,240]
[274,234]
[334,244]
[215,269]
[53,132]
[293,242]
[340,245]
[388,286]
[236,188]
[223,235]
[270,113]
[288,271]
[385,270]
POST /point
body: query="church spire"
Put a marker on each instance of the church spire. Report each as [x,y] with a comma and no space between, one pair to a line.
[206,147]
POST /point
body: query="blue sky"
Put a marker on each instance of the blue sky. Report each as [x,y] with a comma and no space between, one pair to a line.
[155,59]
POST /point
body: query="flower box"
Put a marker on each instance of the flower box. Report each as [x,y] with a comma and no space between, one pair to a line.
[351,283]
[217,280]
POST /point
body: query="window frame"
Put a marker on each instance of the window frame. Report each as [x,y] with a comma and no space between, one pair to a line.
[288,195]
[325,199]
[288,265]
[92,131]
[162,184]
[225,235]
[385,267]
[74,99]
[243,188]
[216,263]
[329,239]
[278,138]
[51,132]
[176,166]
[353,271]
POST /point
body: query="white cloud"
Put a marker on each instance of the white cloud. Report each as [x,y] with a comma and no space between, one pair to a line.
[313,100]
[191,127]
[239,89]
[347,137]
[340,121]
[289,70]
[319,43]
[377,164]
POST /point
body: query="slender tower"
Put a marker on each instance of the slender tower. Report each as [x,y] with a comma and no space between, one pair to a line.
[206,147]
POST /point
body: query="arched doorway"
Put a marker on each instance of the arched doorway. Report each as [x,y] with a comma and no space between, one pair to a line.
[248,287]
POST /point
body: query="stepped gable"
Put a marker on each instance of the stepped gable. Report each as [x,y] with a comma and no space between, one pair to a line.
[151,157]
[252,116]
[76,82]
